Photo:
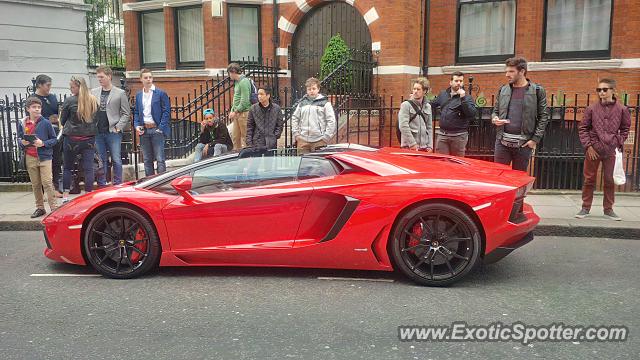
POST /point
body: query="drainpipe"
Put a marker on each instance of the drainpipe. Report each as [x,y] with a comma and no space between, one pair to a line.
[276,34]
[276,44]
[425,36]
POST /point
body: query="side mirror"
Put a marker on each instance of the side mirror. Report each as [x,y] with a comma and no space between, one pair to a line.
[183,185]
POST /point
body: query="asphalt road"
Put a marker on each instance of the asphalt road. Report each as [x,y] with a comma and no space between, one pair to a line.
[231,313]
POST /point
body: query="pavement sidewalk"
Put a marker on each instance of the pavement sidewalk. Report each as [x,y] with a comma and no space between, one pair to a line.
[555,209]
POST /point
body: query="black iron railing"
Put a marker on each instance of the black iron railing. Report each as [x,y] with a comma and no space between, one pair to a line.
[557,162]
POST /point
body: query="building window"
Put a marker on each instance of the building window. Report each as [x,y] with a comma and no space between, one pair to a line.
[152,38]
[190,37]
[486,31]
[244,33]
[577,29]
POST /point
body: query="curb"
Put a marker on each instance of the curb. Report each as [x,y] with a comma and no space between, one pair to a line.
[540,230]
[21,225]
[587,231]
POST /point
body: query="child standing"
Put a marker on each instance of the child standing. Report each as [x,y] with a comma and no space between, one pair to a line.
[37,139]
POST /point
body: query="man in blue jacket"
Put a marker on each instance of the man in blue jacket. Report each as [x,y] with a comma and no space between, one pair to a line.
[457,109]
[37,139]
[151,119]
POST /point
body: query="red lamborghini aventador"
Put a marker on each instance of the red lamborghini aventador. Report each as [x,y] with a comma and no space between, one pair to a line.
[431,217]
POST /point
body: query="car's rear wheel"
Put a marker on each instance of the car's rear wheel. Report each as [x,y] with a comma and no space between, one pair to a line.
[121,243]
[435,244]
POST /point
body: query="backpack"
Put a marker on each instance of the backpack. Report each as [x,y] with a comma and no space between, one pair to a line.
[411,117]
[253,96]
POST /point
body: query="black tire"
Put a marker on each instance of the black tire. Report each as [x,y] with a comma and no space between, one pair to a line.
[443,254]
[121,243]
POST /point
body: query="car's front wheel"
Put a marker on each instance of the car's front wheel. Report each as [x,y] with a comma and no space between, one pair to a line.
[435,244]
[121,243]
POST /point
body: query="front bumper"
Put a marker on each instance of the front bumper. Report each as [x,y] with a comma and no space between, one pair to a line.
[63,244]
[502,251]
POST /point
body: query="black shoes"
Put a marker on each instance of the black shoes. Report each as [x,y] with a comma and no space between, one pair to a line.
[38,213]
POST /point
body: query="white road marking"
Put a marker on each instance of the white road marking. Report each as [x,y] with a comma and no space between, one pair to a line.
[353,279]
[65,275]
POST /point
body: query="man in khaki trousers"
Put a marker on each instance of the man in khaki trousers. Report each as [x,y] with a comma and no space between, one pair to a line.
[37,139]
[241,105]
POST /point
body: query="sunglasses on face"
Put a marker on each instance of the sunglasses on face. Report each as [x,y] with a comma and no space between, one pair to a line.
[602,89]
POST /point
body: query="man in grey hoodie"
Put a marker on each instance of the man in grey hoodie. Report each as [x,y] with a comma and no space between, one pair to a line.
[314,121]
[416,126]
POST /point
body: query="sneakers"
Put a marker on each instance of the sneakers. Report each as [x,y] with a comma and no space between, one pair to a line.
[609,214]
[38,213]
[583,213]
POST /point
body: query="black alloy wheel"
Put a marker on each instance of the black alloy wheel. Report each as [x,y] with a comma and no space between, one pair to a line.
[121,243]
[435,244]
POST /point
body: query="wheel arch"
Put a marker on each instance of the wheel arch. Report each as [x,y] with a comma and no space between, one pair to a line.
[459,204]
[95,211]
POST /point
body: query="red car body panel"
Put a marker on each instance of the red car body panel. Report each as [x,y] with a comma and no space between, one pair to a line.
[292,224]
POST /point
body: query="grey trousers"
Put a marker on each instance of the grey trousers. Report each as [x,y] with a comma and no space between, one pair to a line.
[452,144]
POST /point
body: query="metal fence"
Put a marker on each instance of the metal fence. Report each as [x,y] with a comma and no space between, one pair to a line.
[363,119]
[557,162]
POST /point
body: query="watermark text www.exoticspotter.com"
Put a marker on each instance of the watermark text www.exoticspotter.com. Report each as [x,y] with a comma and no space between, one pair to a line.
[516,332]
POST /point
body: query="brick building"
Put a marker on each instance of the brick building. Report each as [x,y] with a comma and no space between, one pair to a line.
[569,43]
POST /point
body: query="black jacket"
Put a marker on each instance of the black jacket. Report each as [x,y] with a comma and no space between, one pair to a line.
[264,126]
[455,113]
[216,135]
[72,125]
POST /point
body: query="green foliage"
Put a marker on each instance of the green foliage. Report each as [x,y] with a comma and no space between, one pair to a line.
[335,54]
[103,28]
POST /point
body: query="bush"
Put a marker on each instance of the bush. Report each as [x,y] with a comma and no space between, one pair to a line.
[335,54]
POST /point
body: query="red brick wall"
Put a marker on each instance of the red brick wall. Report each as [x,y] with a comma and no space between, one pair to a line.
[625,41]
[170,38]
[216,43]
[131,39]
[442,32]
[399,31]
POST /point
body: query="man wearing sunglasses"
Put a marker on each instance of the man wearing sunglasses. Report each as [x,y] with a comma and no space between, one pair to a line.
[604,128]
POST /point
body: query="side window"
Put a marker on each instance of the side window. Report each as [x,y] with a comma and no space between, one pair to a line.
[311,168]
[245,173]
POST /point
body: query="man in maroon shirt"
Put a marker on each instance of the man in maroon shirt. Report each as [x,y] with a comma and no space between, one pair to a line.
[604,128]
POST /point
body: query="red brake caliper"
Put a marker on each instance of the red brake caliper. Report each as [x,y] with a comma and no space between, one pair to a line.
[142,246]
[416,230]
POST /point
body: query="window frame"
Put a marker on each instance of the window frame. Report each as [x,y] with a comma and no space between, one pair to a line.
[176,30]
[483,59]
[259,9]
[574,55]
[143,64]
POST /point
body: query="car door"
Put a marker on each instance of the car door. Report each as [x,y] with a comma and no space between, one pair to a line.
[242,203]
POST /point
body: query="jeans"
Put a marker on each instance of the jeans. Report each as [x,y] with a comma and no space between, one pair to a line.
[452,144]
[72,149]
[152,144]
[219,149]
[112,142]
[518,157]
[198,152]
[590,176]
